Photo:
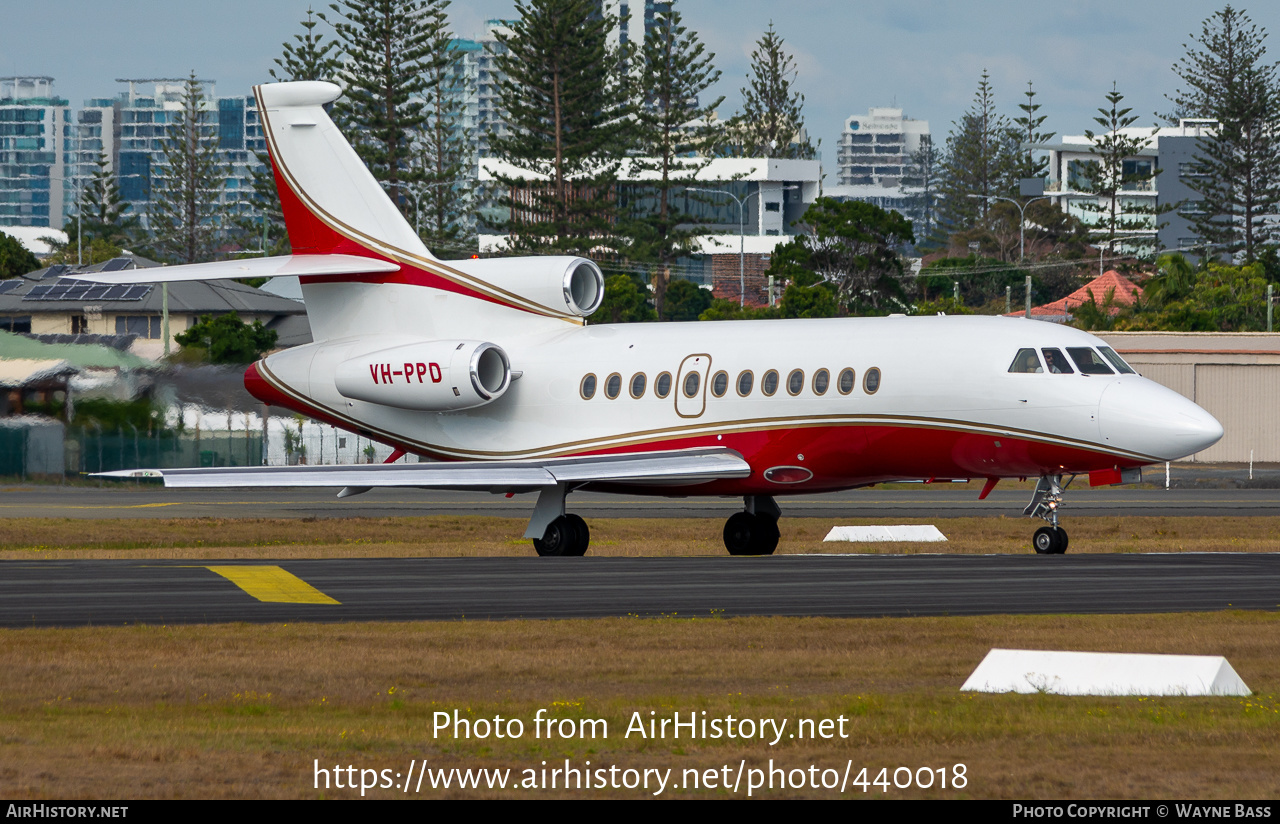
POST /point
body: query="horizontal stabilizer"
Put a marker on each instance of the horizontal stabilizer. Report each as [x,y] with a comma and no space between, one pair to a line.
[268,267]
[681,466]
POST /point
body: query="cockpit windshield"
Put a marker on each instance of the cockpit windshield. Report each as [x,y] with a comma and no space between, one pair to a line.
[1116,361]
[1089,361]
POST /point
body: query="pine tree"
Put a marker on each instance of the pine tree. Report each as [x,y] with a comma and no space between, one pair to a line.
[185,191]
[672,127]
[982,158]
[309,57]
[921,185]
[1238,169]
[771,123]
[562,91]
[443,153]
[387,47]
[1029,134]
[102,211]
[1127,223]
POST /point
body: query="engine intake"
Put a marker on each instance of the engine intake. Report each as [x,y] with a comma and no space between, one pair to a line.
[562,284]
[432,376]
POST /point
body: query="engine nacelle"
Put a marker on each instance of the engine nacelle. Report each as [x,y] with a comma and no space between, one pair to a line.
[562,284]
[432,376]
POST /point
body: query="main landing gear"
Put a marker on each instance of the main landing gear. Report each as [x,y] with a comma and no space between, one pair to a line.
[753,531]
[556,533]
[1052,539]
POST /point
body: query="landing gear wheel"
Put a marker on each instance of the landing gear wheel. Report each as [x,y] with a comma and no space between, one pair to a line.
[1050,540]
[566,536]
[747,534]
[583,537]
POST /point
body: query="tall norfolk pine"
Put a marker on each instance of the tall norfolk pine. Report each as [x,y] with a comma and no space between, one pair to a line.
[184,209]
[1228,80]
[562,94]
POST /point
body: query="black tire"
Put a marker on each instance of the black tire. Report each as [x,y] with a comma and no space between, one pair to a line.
[740,533]
[582,538]
[1045,541]
[560,539]
[1062,541]
[767,535]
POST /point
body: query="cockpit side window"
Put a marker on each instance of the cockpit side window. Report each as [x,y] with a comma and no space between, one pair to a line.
[1056,362]
[1026,362]
[1089,361]
[1116,361]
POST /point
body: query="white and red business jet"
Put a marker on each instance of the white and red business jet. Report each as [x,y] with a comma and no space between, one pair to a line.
[489,367]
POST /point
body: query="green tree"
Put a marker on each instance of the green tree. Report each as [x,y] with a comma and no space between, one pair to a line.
[185,214]
[1119,220]
[309,56]
[853,246]
[15,260]
[388,50]
[686,300]
[562,90]
[771,123]
[1238,168]
[626,300]
[981,158]
[103,214]
[227,339]
[921,186]
[1029,134]
[673,73]
[445,202]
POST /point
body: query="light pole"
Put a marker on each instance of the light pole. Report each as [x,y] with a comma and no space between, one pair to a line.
[1022,218]
[742,231]
[416,191]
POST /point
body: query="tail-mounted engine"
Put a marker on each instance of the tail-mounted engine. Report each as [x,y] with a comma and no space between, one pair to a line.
[572,285]
[432,376]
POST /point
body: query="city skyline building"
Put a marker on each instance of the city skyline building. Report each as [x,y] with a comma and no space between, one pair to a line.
[32,152]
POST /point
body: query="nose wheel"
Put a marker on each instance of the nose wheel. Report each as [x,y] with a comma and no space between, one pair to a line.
[1052,539]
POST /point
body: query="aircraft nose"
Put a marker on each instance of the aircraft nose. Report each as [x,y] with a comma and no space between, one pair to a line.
[1142,416]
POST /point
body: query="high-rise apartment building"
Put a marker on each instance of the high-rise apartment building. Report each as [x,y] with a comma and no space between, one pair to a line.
[33,154]
[875,148]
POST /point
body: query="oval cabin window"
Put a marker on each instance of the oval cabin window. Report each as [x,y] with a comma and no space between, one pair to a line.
[769,384]
[662,386]
[720,384]
[613,386]
[637,385]
[871,381]
[795,381]
[691,383]
[847,381]
[588,387]
[821,380]
[745,381]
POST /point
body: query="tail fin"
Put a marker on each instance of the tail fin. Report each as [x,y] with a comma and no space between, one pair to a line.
[331,203]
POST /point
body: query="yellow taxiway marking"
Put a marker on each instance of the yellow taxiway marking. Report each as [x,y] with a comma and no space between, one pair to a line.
[272,584]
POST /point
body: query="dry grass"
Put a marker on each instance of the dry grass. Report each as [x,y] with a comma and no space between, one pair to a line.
[234,711]
[453,536]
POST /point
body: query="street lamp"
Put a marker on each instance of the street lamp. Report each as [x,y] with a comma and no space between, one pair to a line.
[416,191]
[1022,214]
[742,231]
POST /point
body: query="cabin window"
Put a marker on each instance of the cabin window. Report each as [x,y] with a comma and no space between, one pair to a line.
[720,384]
[770,383]
[588,387]
[871,381]
[613,386]
[637,385]
[691,383]
[821,380]
[745,382]
[1056,362]
[847,381]
[1116,361]
[1089,361]
[662,386]
[795,381]
[1026,362]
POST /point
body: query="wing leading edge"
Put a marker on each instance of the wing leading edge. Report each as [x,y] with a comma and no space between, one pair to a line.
[681,466]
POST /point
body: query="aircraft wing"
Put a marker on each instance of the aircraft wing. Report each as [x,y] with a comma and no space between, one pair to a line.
[262,267]
[680,466]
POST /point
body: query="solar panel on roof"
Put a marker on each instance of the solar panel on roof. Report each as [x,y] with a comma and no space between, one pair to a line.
[115,293]
[78,291]
[37,292]
[7,286]
[56,270]
[117,264]
[138,291]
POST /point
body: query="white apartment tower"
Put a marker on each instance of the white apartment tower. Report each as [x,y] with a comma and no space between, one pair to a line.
[875,148]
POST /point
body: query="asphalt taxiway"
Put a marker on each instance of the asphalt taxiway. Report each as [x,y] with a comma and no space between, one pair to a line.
[114,592]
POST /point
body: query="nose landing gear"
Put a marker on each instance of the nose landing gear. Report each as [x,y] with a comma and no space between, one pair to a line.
[1052,539]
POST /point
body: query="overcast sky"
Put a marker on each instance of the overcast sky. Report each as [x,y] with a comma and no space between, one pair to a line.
[925,57]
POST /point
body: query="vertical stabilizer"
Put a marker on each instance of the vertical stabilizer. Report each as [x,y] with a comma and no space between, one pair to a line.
[331,203]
